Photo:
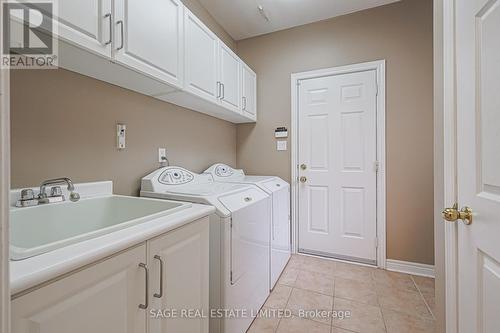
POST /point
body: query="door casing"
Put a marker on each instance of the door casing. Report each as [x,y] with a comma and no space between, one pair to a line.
[379,67]
[445,177]
[4,196]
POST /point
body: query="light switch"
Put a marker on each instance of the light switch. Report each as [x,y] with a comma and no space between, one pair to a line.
[121,130]
[281,145]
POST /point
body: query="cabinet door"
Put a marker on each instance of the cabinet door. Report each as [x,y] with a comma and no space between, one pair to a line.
[181,259]
[201,47]
[102,298]
[148,38]
[249,92]
[230,78]
[87,24]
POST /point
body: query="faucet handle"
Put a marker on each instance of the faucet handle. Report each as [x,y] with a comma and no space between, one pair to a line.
[27,194]
[27,199]
[56,191]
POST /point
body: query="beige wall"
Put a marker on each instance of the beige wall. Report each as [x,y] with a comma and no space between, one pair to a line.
[401,33]
[64,124]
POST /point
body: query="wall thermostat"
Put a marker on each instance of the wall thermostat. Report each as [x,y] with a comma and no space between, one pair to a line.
[281,132]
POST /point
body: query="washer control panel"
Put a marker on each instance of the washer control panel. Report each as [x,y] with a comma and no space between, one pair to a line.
[223,170]
[174,176]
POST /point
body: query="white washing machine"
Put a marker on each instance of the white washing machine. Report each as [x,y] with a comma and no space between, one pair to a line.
[239,241]
[280,224]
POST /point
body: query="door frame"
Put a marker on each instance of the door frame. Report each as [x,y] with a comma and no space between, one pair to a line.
[445,153]
[379,67]
[4,193]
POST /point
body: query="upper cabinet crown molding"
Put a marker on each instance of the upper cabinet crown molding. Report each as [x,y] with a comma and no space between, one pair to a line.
[162,50]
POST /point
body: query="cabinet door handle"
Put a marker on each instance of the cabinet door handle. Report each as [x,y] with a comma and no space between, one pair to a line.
[110,28]
[146,296]
[223,91]
[218,89]
[121,33]
[160,294]
[244,103]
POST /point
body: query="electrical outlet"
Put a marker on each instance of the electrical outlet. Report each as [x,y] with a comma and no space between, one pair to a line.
[162,155]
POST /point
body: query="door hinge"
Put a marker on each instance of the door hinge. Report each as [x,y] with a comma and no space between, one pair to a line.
[231,222]
[231,276]
[376,242]
[376,166]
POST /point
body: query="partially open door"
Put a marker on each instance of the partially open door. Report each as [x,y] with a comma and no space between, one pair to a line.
[478,165]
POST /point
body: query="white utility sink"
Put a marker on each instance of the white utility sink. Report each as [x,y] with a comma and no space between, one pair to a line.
[44,228]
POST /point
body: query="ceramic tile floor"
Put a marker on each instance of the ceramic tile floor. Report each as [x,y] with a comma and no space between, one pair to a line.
[378,300]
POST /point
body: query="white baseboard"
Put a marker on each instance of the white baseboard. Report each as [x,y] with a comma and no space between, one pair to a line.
[410,268]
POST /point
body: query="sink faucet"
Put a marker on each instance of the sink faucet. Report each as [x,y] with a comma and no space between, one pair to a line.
[56,192]
[28,198]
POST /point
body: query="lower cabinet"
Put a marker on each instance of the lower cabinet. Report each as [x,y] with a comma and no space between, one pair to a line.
[123,293]
[179,263]
[102,298]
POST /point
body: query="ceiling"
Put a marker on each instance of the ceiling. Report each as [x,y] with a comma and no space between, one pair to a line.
[242,18]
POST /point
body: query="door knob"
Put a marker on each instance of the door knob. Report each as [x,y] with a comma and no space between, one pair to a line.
[303,179]
[303,166]
[453,214]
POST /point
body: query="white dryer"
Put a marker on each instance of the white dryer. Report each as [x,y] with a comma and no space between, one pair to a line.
[280,224]
[239,241]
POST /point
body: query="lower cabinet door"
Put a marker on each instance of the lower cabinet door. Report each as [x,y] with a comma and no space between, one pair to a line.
[179,262]
[103,298]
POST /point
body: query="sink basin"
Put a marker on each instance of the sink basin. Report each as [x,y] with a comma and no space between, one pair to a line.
[44,228]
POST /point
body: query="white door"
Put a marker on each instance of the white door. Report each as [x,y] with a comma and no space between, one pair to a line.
[102,298]
[180,261]
[478,158]
[87,24]
[337,153]
[201,54]
[148,38]
[249,92]
[229,78]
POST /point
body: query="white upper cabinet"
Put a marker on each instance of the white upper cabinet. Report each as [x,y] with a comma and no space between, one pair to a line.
[201,56]
[229,78]
[87,23]
[148,38]
[157,48]
[249,92]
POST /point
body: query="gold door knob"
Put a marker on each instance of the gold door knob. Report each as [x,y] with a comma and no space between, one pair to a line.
[453,214]
[303,179]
